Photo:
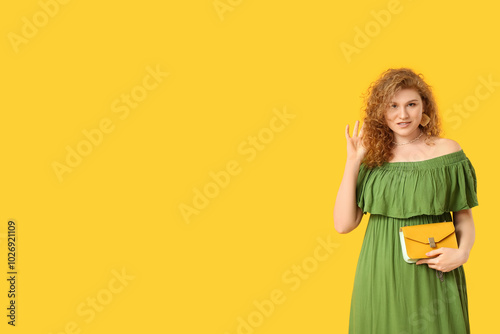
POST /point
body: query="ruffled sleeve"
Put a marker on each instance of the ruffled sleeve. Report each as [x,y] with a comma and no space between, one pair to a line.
[429,187]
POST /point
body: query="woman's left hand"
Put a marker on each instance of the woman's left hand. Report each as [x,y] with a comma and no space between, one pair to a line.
[446,259]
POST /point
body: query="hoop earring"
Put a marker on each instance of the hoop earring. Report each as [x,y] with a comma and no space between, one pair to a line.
[425,120]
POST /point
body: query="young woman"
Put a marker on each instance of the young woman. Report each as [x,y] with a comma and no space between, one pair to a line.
[403,173]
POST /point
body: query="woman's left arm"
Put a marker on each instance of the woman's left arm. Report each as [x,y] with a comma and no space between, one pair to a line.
[447,259]
[466,233]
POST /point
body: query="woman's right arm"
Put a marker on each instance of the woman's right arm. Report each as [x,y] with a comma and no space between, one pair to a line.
[346,213]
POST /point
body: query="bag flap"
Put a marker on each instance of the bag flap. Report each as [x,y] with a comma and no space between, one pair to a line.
[422,233]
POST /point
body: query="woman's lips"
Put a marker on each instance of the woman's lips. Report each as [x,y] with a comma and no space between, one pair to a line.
[404,124]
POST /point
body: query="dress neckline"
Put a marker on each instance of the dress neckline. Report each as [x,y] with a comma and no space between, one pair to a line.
[432,162]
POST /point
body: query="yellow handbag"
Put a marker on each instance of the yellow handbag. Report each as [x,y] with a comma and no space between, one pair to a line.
[416,240]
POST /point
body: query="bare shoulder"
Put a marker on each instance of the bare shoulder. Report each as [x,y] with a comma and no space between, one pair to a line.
[446,146]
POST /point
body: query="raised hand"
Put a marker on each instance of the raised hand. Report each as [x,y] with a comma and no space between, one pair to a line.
[355,148]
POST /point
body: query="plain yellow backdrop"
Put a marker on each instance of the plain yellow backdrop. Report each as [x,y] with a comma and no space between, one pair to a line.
[172,166]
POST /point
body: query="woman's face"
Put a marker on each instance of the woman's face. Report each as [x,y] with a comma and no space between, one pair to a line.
[403,115]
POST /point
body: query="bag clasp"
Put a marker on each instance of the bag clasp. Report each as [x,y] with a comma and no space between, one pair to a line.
[432,243]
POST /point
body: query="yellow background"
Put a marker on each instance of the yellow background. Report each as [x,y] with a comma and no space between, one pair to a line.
[228,75]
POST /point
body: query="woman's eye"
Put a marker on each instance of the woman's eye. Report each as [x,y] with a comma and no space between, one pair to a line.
[412,104]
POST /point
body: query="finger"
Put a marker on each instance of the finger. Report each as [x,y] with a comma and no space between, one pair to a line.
[361,131]
[355,131]
[435,252]
[431,262]
[347,131]
[426,261]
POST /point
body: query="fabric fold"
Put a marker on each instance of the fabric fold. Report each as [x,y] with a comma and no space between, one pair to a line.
[429,187]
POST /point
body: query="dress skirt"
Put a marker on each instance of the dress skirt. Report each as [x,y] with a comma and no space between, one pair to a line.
[395,297]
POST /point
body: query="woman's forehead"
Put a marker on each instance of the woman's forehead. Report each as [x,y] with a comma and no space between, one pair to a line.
[406,95]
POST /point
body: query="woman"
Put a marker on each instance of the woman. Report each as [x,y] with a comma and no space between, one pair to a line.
[400,170]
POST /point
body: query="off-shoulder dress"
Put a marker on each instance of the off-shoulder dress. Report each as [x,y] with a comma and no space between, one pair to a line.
[391,296]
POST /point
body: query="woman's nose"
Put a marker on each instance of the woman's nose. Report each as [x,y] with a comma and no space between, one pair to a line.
[403,114]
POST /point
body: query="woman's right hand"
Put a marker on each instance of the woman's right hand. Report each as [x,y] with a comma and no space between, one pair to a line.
[355,148]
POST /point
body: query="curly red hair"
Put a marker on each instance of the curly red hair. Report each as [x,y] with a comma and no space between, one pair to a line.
[377,136]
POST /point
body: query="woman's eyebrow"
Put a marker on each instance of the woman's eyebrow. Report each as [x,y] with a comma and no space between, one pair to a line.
[407,101]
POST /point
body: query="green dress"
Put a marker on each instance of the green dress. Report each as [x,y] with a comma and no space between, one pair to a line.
[391,296]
